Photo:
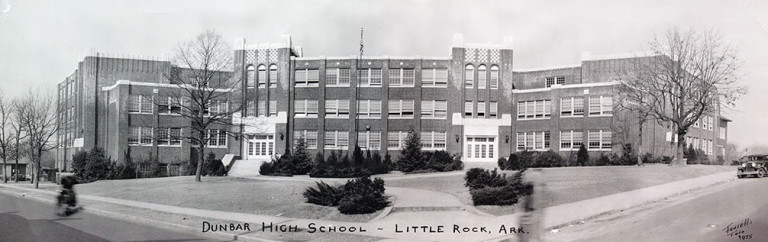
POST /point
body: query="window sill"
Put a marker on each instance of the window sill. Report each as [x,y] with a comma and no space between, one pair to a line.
[138,113]
[336,86]
[390,117]
[572,116]
[401,86]
[172,146]
[433,118]
[313,116]
[379,117]
[336,148]
[434,86]
[336,117]
[547,118]
[302,86]
[600,115]
[145,145]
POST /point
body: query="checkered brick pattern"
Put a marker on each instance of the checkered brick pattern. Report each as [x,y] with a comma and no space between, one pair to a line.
[495,56]
[272,55]
[482,55]
[470,55]
[250,56]
[261,56]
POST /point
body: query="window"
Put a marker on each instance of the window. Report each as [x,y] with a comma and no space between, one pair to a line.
[536,109]
[369,77]
[571,140]
[572,107]
[599,140]
[216,137]
[369,109]
[305,108]
[309,137]
[722,132]
[396,140]
[261,145]
[307,78]
[337,108]
[533,140]
[169,105]
[169,136]
[434,109]
[696,143]
[273,76]
[433,140]
[139,104]
[250,76]
[401,77]
[272,108]
[709,147]
[468,109]
[369,140]
[481,77]
[140,136]
[216,107]
[262,108]
[494,77]
[262,76]
[469,77]
[401,109]
[336,140]
[696,124]
[480,109]
[337,77]
[560,80]
[494,109]
[434,77]
[600,106]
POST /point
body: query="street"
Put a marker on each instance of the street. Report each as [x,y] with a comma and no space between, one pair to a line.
[24,219]
[736,211]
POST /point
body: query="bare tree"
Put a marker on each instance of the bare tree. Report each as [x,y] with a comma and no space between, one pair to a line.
[635,102]
[691,74]
[733,153]
[38,119]
[206,88]
[5,132]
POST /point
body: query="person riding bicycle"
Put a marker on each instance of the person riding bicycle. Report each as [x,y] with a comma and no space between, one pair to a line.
[67,197]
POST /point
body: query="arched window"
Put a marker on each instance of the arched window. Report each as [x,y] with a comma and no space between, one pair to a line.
[481,77]
[251,76]
[262,76]
[494,77]
[272,76]
[469,76]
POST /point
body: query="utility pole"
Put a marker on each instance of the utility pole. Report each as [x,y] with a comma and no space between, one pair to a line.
[357,87]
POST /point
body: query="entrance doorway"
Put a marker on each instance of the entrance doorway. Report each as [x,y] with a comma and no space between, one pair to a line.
[260,146]
[480,149]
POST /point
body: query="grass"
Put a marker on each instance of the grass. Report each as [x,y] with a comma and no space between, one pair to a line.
[262,197]
[571,184]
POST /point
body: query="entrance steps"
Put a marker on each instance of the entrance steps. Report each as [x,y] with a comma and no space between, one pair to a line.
[243,168]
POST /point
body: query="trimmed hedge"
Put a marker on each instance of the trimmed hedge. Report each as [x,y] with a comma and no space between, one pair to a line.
[358,196]
[323,195]
[490,188]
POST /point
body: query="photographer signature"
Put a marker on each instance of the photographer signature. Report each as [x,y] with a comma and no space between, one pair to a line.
[738,230]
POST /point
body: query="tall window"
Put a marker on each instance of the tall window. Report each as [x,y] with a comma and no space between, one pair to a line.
[535,109]
[494,77]
[140,136]
[396,140]
[369,140]
[216,138]
[307,78]
[169,105]
[600,140]
[337,77]
[401,109]
[139,104]
[337,108]
[434,109]
[305,108]
[273,76]
[369,109]
[369,77]
[533,140]
[216,107]
[272,108]
[434,77]
[468,109]
[560,80]
[336,140]
[722,132]
[251,76]
[433,140]
[571,140]
[481,77]
[572,107]
[494,109]
[401,77]
[262,108]
[600,105]
[169,136]
[309,137]
[262,76]
[469,77]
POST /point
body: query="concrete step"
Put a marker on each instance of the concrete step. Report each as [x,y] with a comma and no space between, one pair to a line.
[242,168]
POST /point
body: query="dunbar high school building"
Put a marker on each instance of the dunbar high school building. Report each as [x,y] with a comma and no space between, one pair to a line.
[471,102]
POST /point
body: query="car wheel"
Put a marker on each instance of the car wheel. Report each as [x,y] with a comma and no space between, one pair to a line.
[760,174]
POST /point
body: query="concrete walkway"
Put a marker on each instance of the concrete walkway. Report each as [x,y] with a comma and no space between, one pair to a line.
[393,225]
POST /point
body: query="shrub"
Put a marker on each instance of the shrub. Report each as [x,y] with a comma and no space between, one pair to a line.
[582,156]
[362,196]
[410,157]
[478,178]
[266,168]
[441,161]
[300,162]
[213,166]
[125,170]
[602,160]
[388,162]
[91,165]
[490,188]
[324,194]
[547,159]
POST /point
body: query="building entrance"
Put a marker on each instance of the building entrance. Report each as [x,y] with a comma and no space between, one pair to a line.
[480,148]
[260,146]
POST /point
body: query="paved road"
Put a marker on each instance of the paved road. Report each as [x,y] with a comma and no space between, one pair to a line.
[29,220]
[701,216]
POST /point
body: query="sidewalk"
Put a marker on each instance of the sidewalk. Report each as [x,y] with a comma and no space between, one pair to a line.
[555,217]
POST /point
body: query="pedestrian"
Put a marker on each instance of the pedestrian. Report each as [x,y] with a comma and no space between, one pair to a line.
[66,202]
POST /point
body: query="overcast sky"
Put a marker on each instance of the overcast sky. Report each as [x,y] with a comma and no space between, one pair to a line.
[42,41]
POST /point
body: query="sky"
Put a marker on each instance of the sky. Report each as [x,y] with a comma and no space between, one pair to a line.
[41,42]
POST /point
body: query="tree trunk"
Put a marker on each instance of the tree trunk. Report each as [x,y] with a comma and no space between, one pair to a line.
[640,145]
[17,159]
[5,167]
[679,159]
[38,166]
[200,158]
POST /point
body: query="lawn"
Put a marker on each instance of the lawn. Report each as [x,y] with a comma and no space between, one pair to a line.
[262,197]
[571,184]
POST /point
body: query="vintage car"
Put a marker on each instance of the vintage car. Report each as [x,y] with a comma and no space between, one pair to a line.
[756,169]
